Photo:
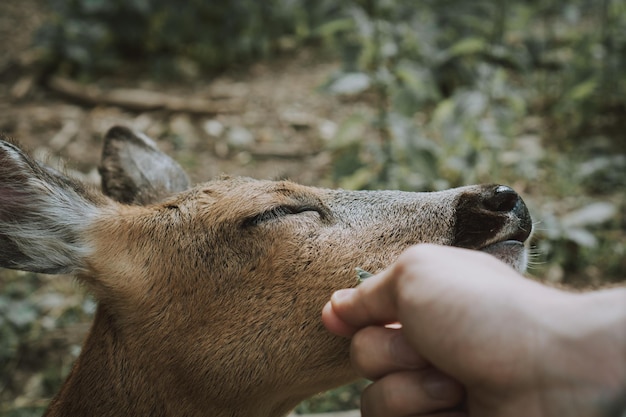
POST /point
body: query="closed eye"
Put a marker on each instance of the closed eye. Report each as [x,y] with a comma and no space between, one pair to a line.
[279,212]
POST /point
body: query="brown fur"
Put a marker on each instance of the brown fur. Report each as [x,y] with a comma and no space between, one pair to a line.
[210,300]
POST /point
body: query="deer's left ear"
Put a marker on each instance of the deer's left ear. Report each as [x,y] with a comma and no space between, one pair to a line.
[135,171]
[43,215]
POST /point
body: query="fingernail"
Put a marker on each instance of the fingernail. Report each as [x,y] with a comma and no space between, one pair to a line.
[343,295]
[404,354]
[441,387]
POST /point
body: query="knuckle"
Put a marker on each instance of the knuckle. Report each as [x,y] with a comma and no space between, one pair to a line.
[413,256]
[358,357]
[393,396]
[366,353]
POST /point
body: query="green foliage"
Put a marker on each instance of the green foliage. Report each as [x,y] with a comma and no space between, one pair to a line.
[88,37]
[25,412]
[454,80]
[485,91]
[344,398]
[18,314]
[26,314]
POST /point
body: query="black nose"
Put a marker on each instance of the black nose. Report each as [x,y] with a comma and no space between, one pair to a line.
[494,211]
[502,198]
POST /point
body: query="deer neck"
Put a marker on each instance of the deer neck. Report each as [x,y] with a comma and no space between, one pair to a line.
[104,382]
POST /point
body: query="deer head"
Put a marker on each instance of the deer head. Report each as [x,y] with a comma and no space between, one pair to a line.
[210,297]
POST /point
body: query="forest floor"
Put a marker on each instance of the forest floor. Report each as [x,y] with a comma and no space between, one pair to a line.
[267,120]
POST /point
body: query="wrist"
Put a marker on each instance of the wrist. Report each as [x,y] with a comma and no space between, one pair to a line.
[606,332]
[592,349]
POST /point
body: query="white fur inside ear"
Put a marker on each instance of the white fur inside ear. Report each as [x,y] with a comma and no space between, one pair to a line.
[52,234]
[43,219]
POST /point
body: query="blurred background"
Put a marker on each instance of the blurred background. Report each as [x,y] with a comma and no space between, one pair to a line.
[359,94]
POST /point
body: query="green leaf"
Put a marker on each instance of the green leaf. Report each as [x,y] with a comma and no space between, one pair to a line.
[592,214]
[351,131]
[335,27]
[467,46]
[362,274]
[583,90]
[443,112]
[350,84]
[359,179]
[22,313]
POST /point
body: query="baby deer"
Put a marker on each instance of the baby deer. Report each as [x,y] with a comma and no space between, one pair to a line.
[209,297]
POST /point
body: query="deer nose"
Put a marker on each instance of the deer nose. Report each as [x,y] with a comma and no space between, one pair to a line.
[495,212]
[502,198]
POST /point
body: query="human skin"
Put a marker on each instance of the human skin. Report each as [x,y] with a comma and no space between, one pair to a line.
[478,339]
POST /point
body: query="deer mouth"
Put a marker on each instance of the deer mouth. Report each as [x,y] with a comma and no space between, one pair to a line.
[509,245]
[511,252]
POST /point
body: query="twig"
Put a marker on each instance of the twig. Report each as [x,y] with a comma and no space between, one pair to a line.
[64,136]
[136,99]
[23,86]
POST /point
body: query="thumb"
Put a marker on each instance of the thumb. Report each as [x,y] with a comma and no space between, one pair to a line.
[374,302]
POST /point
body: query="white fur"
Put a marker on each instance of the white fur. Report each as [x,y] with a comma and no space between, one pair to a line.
[49,229]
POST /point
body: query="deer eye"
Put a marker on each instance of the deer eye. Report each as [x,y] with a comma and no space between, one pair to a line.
[279,212]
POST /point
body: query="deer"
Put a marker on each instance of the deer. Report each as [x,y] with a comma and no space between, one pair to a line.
[209,296]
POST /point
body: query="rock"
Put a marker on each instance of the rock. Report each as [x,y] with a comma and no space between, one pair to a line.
[298,119]
[181,126]
[239,137]
[213,128]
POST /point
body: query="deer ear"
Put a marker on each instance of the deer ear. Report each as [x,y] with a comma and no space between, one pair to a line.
[135,171]
[43,215]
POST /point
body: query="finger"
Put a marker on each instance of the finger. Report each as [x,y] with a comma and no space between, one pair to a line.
[421,280]
[334,324]
[373,302]
[411,393]
[377,351]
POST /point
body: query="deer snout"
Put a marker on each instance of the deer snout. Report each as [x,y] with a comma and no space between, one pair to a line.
[504,199]
[494,219]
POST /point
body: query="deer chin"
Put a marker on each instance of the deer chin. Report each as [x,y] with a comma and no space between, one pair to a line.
[511,252]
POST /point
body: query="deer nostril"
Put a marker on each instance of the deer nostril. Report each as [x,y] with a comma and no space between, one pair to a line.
[502,199]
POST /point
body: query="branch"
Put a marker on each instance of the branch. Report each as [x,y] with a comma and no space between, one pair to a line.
[136,99]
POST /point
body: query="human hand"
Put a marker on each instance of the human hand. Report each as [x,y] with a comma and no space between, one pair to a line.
[517,348]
